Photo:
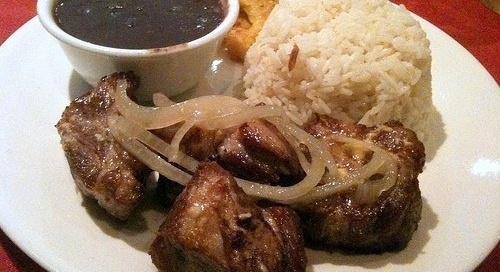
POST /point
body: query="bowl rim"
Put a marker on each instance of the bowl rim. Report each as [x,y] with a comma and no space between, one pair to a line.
[46,18]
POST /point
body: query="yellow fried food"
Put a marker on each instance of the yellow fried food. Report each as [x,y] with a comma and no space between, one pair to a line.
[253,15]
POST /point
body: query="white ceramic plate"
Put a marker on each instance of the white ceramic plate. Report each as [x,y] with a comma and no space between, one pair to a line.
[42,212]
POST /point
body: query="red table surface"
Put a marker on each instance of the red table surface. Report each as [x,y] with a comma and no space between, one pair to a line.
[467,21]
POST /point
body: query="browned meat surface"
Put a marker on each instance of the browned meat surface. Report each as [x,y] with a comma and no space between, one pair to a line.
[286,225]
[256,151]
[198,143]
[389,223]
[215,226]
[101,168]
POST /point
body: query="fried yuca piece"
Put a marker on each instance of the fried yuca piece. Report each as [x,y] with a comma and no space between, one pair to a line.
[253,14]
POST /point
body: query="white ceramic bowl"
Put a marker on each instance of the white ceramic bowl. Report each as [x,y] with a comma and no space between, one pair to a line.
[171,70]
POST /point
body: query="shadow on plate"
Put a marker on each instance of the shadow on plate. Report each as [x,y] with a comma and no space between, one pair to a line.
[139,230]
[77,86]
[373,261]
[436,135]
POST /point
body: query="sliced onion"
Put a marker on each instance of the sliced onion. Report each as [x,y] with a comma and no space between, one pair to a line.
[380,159]
[367,191]
[291,138]
[314,170]
[241,117]
[310,141]
[145,155]
[370,190]
[161,100]
[122,126]
[209,106]
[131,130]
[179,134]
[287,194]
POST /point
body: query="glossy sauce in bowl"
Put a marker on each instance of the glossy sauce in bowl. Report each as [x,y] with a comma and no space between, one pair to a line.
[138,24]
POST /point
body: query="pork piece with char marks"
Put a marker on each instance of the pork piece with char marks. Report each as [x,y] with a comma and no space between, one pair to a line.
[255,150]
[100,167]
[339,221]
[214,226]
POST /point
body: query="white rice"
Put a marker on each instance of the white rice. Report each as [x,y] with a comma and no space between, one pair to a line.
[362,60]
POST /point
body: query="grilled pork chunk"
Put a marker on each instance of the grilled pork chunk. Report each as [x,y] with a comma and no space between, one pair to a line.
[198,143]
[215,226]
[101,168]
[339,221]
[256,151]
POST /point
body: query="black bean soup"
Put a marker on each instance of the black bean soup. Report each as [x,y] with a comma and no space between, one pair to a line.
[138,24]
